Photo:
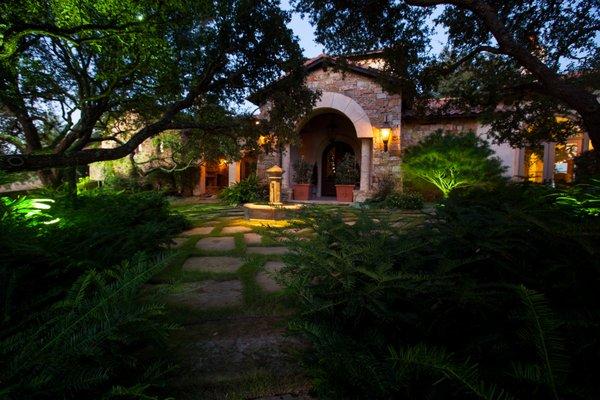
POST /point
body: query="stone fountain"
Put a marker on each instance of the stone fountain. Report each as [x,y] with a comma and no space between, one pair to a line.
[276,209]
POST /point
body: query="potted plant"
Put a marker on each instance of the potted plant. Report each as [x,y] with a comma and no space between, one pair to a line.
[302,175]
[346,175]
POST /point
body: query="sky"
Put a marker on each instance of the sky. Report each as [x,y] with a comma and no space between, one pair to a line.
[305,32]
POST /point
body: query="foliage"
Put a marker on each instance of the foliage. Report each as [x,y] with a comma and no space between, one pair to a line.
[385,186]
[494,298]
[246,191]
[133,69]
[587,166]
[72,322]
[86,183]
[347,172]
[450,161]
[582,199]
[89,342]
[489,46]
[404,201]
[302,171]
[31,210]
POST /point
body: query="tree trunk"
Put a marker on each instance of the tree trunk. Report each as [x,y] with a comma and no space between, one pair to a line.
[591,122]
[50,177]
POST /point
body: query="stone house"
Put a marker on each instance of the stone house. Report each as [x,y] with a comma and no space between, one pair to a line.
[355,109]
[352,116]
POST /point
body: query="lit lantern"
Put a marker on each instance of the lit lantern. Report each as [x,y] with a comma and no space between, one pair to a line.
[385,133]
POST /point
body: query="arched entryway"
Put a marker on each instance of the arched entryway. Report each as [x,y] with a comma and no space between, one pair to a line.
[325,138]
[333,154]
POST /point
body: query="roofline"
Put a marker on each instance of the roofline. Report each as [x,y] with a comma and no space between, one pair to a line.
[324,61]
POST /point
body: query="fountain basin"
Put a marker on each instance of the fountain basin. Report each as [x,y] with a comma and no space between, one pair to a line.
[267,211]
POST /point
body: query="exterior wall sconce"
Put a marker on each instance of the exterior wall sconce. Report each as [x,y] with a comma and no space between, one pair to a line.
[385,132]
[385,137]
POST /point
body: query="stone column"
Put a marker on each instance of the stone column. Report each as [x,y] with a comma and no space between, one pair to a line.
[234,172]
[365,164]
[286,165]
[519,165]
[549,156]
[200,188]
[585,146]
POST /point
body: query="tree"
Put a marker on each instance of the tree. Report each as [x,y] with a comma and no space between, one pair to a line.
[449,161]
[71,72]
[519,63]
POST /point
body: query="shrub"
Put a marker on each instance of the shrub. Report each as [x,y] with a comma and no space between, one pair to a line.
[302,171]
[86,183]
[450,161]
[246,191]
[404,201]
[494,298]
[587,166]
[72,324]
[346,172]
[385,186]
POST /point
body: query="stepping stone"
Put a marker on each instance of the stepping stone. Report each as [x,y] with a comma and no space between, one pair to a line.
[204,230]
[252,238]
[265,278]
[212,264]
[267,250]
[235,229]
[350,223]
[209,294]
[298,231]
[216,243]
[178,242]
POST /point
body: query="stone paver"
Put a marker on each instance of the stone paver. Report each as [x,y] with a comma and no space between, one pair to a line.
[265,278]
[267,250]
[212,264]
[252,238]
[176,243]
[204,230]
[350,223]
[235,229]
[209,294]
[216,243]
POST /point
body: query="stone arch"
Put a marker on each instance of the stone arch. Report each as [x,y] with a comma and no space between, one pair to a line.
[349,108]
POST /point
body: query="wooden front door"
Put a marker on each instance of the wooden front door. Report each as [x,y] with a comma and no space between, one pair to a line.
[332,155]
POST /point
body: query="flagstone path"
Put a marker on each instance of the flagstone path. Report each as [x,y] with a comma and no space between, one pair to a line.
[222,288]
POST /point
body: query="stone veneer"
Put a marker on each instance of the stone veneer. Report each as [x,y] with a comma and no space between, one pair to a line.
[377,104]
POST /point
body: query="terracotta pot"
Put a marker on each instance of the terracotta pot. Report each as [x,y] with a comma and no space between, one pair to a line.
[302,191]
[344,193]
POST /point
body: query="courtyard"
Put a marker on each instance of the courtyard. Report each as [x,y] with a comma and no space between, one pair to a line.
[299,200]
[222,288]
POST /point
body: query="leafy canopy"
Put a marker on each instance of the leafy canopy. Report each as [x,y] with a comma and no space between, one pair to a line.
[117,72]
[518,63]
[449,161]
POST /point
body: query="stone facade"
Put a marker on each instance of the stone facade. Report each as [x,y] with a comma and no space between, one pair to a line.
[358,95]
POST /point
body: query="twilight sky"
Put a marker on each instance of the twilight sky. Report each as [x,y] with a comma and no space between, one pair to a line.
[305,32]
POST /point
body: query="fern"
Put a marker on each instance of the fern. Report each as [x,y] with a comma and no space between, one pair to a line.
[441,362]
[542,331]
[76,330]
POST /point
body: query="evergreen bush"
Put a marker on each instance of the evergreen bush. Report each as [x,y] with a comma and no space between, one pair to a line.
[404,201]
[450,161]
[72,322]
[494,298]
[347,172]
[248,190]
[302,171]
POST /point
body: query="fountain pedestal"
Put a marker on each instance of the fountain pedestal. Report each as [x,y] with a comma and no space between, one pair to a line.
[275,210]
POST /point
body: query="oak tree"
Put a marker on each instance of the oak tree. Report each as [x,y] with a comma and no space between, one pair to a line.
[71,72]
[518,64]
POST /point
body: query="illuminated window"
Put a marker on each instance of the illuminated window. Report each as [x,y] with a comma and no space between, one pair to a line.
[534,164]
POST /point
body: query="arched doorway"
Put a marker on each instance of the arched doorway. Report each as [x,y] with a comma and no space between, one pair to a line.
[333,154]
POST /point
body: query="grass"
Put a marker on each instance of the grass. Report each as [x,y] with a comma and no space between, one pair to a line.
[257,304]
